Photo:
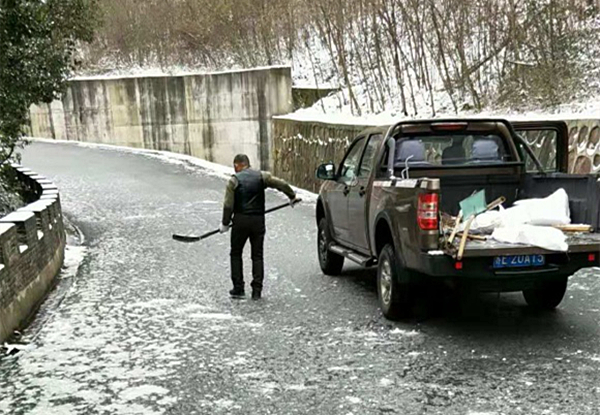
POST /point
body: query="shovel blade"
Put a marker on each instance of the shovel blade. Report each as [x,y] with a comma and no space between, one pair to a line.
[186,238]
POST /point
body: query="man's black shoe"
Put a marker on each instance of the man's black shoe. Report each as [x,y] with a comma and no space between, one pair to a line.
[236,293]
[255,295]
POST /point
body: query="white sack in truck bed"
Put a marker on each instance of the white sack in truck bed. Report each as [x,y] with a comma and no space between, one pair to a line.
[529,222]
[549,211]
[545,237]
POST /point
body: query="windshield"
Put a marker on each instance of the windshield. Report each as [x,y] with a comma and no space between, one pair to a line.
[451,150]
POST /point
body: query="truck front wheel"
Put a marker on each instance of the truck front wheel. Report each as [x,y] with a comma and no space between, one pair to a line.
[394,296]
[330,262]
[546,297]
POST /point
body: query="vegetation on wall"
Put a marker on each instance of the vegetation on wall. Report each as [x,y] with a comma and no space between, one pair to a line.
[37,42]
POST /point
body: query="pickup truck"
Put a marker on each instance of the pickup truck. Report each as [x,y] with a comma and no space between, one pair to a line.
[382,206]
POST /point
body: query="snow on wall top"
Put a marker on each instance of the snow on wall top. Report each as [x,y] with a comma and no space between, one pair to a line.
[159,73]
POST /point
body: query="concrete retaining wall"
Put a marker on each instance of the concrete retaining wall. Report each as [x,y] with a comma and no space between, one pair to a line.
[300,146]
[212,116]
[32,246]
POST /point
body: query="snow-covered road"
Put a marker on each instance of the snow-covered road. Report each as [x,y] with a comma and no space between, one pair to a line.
[146,325]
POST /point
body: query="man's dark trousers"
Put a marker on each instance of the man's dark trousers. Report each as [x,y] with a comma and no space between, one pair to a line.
[247,227]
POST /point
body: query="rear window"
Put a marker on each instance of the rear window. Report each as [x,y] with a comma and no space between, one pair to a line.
[451,150]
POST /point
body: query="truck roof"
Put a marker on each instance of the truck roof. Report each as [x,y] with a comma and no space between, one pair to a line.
[383,128]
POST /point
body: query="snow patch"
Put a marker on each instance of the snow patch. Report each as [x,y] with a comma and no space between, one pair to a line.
[409,333]
[136,392]
[268,388]
[344,369]
[43,408]
[414,354]
[213,316]
[154,303]
[253,375]
[385,382]
[578,286]
[74,256]
[252,325]
[296,388]
[16,347]
[238,361]
[224,403]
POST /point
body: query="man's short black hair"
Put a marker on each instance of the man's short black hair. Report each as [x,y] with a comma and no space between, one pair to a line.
[242,159]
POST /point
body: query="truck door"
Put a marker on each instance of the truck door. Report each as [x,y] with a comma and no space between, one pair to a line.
[338,196]
[358,196]
[549,142]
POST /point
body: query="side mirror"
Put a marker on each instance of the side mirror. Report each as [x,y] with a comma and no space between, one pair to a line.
[326,172]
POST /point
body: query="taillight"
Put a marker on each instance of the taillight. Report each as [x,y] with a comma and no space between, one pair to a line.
[427,214]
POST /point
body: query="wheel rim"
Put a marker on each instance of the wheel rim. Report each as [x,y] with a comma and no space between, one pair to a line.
[385,281]
[322,245]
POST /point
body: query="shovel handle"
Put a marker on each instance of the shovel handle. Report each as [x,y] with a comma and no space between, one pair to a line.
[211,233]
[191,238]
[273,209]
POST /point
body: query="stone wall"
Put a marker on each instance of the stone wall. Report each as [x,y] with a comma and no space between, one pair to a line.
[32,245]
[212,116]
[584,148]
[300,146]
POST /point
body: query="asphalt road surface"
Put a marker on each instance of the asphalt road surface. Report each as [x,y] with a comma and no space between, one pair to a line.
[147,327]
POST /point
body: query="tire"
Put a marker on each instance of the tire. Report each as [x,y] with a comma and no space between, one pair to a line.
[546,297]
[330,262]
[394,296]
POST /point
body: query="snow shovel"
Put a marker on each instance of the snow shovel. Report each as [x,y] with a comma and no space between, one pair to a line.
[196,238]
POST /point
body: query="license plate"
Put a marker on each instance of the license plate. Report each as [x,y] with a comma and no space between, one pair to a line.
[519,261]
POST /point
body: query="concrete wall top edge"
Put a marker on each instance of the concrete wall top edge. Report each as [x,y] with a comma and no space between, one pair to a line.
[17,216]
[5,227]
[275,69]
[47,189]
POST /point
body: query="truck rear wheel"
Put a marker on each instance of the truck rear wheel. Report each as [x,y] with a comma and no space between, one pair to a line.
[330,262]
[394,296]
[546,297]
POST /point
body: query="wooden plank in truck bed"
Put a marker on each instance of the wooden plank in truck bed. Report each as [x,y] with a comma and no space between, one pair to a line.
[580,242]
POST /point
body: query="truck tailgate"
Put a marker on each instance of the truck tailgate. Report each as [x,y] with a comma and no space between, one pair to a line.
[581,242]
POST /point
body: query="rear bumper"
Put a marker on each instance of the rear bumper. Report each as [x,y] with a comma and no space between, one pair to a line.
[478,272]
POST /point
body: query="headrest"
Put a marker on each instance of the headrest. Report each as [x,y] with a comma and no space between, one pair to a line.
[407,148]
[485,149]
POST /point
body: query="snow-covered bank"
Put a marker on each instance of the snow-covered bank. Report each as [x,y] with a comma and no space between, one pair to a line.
[589,109]
[210,168]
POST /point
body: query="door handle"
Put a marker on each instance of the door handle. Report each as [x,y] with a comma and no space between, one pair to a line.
[362,191]
[346,191]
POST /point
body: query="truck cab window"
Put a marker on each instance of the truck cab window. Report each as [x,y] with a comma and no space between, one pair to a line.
[366,164]
[543,143]
[451,150]
[350,163]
